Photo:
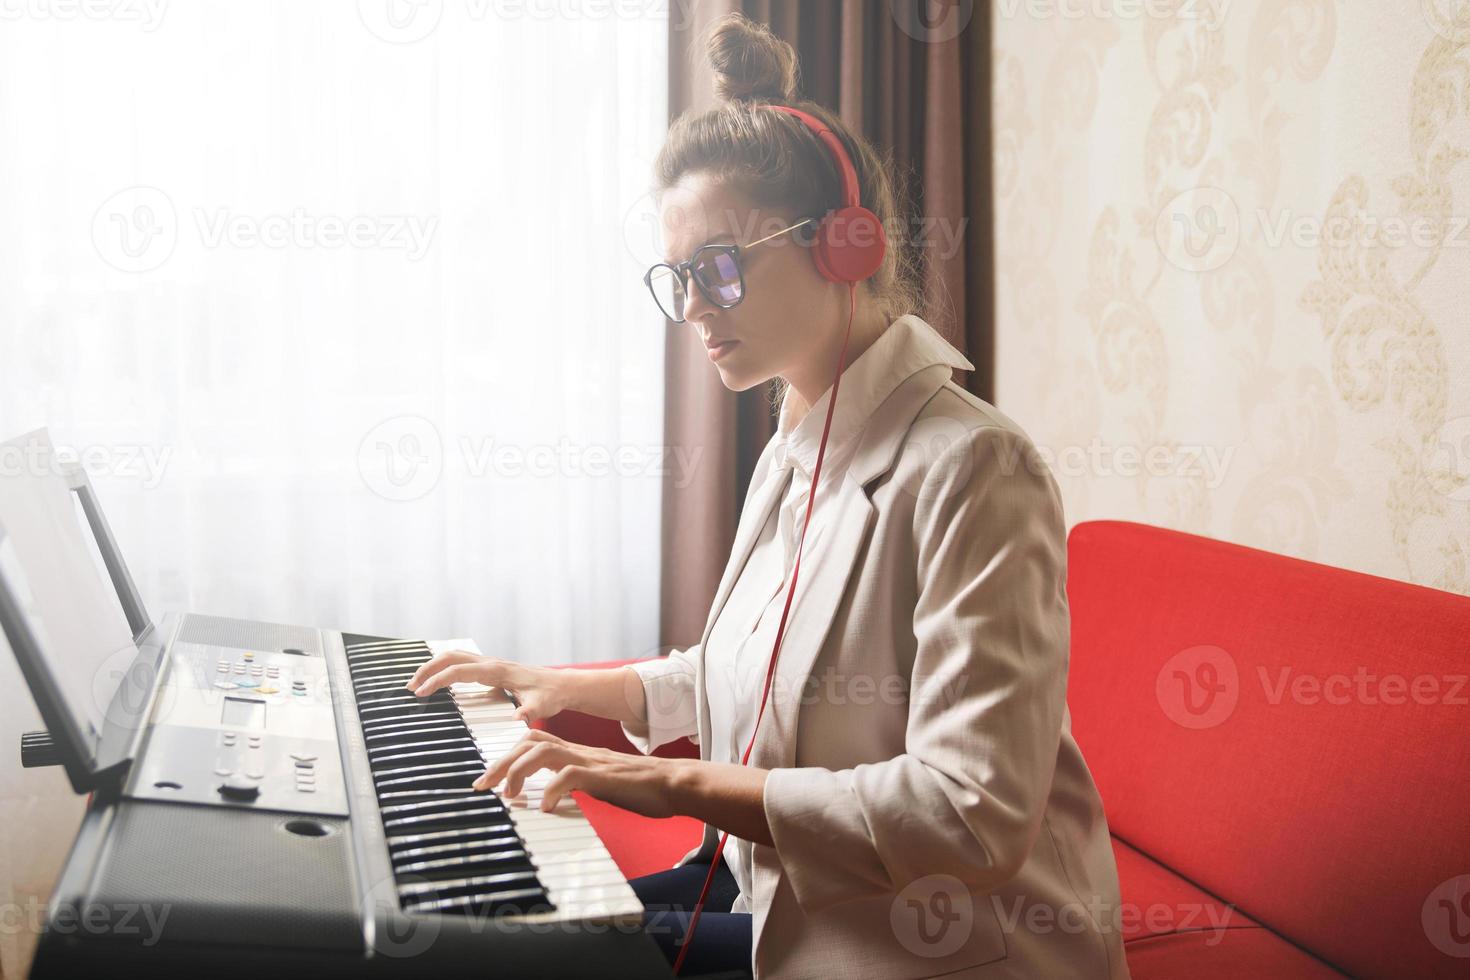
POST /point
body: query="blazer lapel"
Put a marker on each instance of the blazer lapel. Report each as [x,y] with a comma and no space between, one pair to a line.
[825,572]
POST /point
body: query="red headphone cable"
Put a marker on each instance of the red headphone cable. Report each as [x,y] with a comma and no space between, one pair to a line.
[781,627]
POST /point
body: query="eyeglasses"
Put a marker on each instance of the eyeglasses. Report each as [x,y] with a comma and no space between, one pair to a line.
[714,268]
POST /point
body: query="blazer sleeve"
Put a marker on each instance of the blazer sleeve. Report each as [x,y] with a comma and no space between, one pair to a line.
[668,693]
[987,696]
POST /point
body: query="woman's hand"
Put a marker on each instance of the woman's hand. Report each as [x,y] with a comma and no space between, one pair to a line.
[540,690]
[724,794]
[641,783]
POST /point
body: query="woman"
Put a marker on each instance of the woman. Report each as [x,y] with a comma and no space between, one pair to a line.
[914,804]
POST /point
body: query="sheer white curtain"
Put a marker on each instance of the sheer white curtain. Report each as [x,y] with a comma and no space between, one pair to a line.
[371,309]
[342,304]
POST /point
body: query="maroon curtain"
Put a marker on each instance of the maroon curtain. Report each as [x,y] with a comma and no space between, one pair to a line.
[913,77]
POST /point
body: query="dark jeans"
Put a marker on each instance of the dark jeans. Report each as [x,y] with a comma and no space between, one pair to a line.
[721,943]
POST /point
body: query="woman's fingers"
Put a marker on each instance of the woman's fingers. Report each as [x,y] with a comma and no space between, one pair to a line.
[497,770]
[483,672]
[546,755]
[437,664]
[535,705]
[569,778]
[447,676]
[639,784]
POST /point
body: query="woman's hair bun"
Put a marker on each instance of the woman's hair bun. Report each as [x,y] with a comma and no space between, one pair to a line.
[750,63]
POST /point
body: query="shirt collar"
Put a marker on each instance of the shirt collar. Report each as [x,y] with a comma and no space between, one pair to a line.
[908,346]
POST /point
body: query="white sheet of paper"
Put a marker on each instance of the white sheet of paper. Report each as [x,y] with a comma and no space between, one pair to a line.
[71,608]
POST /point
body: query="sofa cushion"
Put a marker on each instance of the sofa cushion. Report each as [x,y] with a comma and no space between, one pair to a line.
[1285,734]
[640,845]
[1173,929]
[1157,902]
[1254,952]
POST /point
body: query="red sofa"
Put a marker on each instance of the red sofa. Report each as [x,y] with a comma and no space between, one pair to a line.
[1282,747]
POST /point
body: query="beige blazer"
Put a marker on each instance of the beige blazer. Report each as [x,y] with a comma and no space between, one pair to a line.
[931,814]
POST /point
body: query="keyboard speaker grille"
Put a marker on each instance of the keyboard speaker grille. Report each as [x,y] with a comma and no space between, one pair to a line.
[229,876]
[244,634]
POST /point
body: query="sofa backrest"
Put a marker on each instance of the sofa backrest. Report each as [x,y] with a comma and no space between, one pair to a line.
[1292,737]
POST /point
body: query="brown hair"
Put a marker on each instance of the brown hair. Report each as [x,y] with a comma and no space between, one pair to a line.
[777,161]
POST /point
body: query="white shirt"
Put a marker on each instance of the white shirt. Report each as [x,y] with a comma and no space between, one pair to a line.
[738,649]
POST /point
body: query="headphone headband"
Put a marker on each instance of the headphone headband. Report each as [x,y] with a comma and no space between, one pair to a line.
[850,244]
[851,196]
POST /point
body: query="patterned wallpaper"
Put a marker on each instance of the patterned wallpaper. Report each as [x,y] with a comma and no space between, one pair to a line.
[1233,269]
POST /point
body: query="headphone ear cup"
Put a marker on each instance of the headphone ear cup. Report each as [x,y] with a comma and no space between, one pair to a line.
[819,256]
[850,245]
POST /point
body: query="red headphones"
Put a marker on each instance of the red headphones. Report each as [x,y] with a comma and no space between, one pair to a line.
[850,243]
[848,247]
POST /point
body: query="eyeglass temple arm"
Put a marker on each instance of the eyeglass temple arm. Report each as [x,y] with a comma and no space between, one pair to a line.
[774,234]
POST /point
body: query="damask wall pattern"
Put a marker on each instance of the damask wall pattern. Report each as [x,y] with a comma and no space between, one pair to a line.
[1233,269]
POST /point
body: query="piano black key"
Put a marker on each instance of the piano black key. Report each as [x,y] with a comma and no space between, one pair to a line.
[362,649]
[457,836]
[384,723]
[383,672]
[393,658]
[457,740]
[478,817]
[439,804]
[403,699]
[394,735]
[466,756]
[389,684]
[498,842]
[403,776]
[469,864]
[409,710]
[423,757]
[384,669]
[483,885]
[411,795]
[370,726]
[521,901]
[386,653]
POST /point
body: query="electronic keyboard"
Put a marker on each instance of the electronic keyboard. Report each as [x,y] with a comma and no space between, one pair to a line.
[267,797]
[292,804]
